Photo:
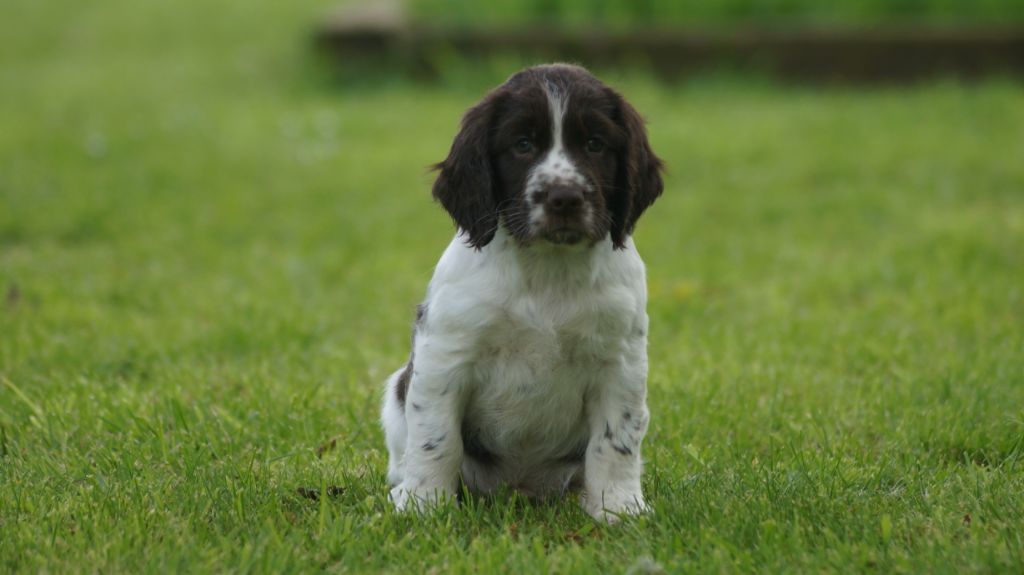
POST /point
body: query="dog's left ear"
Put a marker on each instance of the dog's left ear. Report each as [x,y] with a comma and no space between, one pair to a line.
[638,182]
[465,185]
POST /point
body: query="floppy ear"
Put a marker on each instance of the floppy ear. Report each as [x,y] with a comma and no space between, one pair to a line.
[638,182]
[465,185]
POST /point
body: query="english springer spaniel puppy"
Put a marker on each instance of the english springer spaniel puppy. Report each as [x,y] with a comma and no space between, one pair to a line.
[529,358]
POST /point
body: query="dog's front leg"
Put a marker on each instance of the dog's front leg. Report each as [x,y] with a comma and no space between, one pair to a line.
[433,452]
[618,422]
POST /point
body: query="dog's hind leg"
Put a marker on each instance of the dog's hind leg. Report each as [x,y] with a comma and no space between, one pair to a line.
[392,418]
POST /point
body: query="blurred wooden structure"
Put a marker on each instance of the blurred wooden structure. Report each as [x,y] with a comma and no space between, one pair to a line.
[380,33]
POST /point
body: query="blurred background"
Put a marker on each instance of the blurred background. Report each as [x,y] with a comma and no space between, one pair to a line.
[723,13]
[215,222]
[170,138]
[851,42]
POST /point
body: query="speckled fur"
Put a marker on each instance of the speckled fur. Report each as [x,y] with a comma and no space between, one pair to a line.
[530,368]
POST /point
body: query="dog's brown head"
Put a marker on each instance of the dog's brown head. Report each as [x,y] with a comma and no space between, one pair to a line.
[553,155]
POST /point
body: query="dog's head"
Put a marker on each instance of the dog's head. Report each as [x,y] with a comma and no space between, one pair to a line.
[553,155]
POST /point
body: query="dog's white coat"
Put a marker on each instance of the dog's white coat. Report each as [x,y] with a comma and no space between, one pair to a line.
[538,350]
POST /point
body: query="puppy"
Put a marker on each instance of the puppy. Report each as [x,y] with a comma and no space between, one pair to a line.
[529,358]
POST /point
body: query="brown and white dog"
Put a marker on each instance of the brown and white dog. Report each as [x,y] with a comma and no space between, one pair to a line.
[529,359]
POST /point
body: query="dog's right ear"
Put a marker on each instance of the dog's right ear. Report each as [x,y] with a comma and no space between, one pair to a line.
[465,185]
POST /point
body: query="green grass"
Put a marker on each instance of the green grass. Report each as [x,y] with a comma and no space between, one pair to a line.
[210,254]
[619,13]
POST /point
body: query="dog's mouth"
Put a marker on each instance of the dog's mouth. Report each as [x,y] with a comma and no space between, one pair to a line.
[566,229]
[564,236]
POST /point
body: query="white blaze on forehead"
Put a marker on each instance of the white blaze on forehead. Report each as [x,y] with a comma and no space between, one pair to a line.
[556,167]
[557,103]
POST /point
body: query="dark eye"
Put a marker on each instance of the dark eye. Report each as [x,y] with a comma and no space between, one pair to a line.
[595,145]
[523,145]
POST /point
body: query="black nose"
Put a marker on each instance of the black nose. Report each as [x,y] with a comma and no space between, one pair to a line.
[564,200]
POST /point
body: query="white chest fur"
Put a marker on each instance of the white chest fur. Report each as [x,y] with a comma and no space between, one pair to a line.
[535,331]
[525,361]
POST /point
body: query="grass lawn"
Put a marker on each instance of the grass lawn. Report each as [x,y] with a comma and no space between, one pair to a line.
[210,256]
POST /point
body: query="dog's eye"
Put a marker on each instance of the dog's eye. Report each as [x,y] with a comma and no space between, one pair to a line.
[523,145]
[595,145]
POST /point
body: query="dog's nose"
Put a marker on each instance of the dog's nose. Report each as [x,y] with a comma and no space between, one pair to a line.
[564,200]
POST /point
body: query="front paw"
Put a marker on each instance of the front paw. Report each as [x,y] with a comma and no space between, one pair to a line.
[610,506]
[406,498]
